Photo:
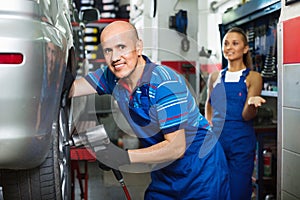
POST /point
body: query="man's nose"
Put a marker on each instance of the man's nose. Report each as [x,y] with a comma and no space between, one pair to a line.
[115,55]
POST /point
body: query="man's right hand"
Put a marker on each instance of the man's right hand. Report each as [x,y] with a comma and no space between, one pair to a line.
[103,166]
[112,156]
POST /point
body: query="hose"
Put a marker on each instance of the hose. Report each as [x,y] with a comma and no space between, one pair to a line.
[120,179]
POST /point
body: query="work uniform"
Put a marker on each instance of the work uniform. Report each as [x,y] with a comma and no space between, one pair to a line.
[236,135]
[160,104]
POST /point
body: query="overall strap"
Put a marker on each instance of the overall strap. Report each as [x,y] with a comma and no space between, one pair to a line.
[244,75]
[223,72]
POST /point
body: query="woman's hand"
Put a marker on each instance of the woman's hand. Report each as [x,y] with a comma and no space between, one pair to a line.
[256,101]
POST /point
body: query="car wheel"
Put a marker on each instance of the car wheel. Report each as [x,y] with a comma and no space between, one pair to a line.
[51,180]
[63,160]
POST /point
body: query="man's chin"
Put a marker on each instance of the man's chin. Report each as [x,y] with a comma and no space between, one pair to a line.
[121,75]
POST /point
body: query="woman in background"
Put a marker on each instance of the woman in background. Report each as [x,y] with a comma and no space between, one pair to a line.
[232,102]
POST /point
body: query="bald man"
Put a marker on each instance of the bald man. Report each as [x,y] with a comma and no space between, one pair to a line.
[163,114]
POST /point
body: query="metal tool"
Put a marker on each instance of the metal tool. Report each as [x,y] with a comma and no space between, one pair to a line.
[98,139]
[95,137]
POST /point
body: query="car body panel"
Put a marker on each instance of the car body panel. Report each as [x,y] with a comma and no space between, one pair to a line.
[30,91]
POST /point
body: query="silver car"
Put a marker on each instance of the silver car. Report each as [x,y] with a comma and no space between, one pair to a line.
[36,53]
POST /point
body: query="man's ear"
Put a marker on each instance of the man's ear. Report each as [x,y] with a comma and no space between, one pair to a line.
[139,47]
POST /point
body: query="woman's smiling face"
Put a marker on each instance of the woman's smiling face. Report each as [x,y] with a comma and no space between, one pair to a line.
[234,47]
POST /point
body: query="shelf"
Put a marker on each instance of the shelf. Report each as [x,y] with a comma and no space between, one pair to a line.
[262,182]
[267,93]
[250,11]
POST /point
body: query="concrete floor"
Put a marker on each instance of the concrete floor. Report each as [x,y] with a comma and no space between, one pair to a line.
[103,185]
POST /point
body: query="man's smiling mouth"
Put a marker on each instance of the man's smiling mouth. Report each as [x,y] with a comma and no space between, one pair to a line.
[118,66]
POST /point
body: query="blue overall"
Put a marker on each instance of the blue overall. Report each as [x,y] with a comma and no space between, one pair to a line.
[161,104]
[236,135]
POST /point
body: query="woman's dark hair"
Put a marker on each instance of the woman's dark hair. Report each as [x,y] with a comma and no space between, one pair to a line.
[246,57]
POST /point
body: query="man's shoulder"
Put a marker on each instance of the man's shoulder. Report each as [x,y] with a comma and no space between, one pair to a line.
[165,72]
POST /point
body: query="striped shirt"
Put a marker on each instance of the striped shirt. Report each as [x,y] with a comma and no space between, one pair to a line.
[160,104]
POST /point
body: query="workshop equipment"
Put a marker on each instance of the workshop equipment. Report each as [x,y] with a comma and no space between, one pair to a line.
[120,179]
[97,138]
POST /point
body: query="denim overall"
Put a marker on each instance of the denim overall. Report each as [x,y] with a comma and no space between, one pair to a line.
[152,113]
[236,135]
[189,177]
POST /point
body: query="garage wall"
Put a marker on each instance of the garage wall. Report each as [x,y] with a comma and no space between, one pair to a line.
[289,105]
[161,42]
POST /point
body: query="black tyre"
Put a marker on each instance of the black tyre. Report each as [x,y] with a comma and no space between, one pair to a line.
[51,180]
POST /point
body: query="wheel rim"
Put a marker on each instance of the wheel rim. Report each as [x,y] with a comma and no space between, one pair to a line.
[64,154]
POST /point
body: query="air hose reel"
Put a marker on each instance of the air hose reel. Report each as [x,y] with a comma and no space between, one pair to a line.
[179,22]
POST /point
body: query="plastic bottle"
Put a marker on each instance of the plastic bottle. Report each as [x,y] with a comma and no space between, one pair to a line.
[267,162]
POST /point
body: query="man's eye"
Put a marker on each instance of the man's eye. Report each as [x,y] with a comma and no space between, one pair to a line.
[107,51]
[121,46]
